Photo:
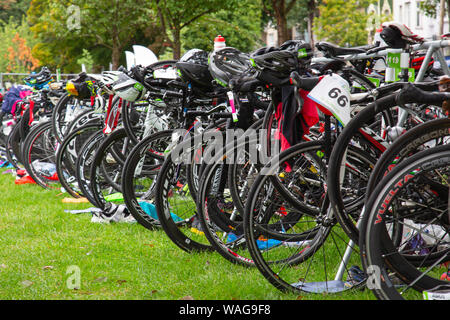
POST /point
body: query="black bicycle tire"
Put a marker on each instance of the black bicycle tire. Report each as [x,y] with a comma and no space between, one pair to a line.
[27,145]
[83,162]
[60,154]
[406,144]
[128,170]
[337,154]
[374,240]
[12,144]
[56,114]
[110,140]
[164,215]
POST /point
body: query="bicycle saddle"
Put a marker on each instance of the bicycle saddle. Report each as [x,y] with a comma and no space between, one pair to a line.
[332,50]
[397,35]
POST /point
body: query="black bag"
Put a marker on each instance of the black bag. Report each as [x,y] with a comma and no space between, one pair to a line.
[81,87]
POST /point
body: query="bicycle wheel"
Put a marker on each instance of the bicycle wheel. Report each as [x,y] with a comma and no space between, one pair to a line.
[139,175]
[13,147]
[405,236]
[106,168]
[297,245]
[84,162]
[87,117]
[67,109]
[39,153]
[347,201]
[144,118]
[220,198]
[426,135]
[240,172]
[174,202]
[68,154]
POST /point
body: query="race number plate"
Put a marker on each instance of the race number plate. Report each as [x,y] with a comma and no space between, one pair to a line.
[333,94]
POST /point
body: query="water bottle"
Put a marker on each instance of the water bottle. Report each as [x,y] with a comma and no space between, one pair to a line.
[219,43]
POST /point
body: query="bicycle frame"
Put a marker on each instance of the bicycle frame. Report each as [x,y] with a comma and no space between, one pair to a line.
[433,49]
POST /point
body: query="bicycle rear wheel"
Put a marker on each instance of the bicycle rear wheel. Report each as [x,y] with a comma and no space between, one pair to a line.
[405,239]
[106,168]
[84,162]
[139,177]
[290,230]
[68,154]
[175,203]
[39,154]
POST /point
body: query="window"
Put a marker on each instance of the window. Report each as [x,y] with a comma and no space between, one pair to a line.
[407,14]
[418,15]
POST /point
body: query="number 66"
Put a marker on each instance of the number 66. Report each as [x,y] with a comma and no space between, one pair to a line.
[341,100]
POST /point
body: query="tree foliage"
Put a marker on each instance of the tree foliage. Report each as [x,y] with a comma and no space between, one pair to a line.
[278,10]
[342,22]
[431,7]
[55,36]
[104,27]
[15,9]
[241,27]
[176,16]
[15,49]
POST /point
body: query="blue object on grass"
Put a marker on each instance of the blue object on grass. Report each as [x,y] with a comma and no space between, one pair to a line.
[151,211]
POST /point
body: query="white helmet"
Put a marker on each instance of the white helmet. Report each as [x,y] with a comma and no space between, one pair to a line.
[129,89]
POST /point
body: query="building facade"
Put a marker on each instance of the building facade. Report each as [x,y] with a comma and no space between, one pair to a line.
[408,13]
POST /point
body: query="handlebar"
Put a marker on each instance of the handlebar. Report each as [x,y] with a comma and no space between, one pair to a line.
[361,56]
[411,93]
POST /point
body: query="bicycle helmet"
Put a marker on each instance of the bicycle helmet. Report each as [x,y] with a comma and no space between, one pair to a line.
[109,77]
[275,66]
[106,80]
[39,80]
[301,48]
[197,56]
[193,68]
[229,63]
[128,89]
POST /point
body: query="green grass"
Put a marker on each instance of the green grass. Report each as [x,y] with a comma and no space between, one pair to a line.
[39,241]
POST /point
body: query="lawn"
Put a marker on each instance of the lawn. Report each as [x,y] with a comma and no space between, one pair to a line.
[43,249]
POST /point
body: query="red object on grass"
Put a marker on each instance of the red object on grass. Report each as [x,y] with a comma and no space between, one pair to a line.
[24,180]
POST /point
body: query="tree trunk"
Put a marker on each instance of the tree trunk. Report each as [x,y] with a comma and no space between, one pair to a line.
[176,44]
[279,8]
[115,58]
[448,14]
[116,48]
[282,31]
[311,13]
